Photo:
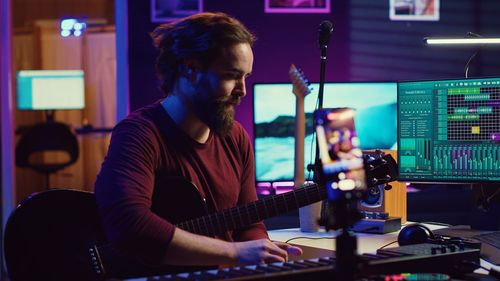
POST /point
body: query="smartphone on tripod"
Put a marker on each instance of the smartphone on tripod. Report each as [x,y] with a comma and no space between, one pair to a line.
[342,168]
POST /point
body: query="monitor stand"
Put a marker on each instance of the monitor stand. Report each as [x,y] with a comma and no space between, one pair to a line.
[49,115]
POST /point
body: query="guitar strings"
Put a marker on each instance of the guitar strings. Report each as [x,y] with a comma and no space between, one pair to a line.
[219,222]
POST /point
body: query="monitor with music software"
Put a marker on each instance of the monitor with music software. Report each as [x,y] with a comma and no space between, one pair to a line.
[449,130]
[274,118]
[50,89]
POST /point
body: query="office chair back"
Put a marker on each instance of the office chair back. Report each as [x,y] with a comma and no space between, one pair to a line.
[43,137]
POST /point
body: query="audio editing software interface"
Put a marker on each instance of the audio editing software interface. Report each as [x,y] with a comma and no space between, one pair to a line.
[449,130]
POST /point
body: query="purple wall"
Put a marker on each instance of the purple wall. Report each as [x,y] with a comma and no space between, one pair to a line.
[365,45]
[283,39]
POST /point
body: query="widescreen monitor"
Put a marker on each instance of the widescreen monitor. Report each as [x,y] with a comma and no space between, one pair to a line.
[449,130]
[50,89]
[274,122]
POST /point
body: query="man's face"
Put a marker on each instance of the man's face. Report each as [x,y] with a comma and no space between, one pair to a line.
[220,86]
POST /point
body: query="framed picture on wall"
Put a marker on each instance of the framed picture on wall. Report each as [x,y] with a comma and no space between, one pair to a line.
[171,10]
[414,10]
[297,6]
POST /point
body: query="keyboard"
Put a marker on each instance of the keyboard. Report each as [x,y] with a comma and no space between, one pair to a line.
[491,238]
[410,258]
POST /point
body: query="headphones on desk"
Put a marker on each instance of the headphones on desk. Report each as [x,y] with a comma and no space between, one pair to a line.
[418,233]
[415,234]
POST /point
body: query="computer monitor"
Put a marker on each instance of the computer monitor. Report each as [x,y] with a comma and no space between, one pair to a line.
[449,130]
[274,122]
[50,89]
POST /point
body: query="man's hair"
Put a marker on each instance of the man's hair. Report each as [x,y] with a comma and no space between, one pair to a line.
[201,37]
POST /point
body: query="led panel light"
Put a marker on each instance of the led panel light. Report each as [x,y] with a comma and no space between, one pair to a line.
[461,41]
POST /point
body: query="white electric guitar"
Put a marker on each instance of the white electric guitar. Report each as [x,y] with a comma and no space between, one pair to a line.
[301,89]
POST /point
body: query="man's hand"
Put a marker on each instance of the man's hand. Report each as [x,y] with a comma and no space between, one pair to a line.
[293,250]
[263,251]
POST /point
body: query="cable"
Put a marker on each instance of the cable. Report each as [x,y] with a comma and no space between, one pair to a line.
[467,65]
[492,195]
[313,141]
[484,201]
[387,245]
[436,223]
[311,238]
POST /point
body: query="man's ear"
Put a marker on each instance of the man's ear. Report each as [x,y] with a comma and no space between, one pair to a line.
[189,69]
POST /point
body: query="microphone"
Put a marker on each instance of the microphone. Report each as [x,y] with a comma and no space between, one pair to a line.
[325,29]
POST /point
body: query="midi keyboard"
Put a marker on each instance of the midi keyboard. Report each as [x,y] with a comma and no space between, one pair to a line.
[411,258]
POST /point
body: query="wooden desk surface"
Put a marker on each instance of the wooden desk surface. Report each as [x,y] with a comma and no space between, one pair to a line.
[367,243]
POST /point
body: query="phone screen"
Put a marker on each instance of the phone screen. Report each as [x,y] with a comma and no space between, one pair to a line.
[342,168]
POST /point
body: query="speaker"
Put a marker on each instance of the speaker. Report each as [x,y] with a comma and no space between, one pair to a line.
[378,199]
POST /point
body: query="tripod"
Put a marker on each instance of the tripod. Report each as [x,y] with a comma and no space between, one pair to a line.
[342,214]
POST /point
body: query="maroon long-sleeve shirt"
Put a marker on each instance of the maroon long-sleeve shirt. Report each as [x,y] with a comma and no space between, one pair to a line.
[146,149]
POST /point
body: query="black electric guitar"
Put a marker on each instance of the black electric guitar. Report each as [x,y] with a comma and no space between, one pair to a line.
[57,235]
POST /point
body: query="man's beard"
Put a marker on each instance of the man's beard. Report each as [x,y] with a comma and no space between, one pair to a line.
[218,113]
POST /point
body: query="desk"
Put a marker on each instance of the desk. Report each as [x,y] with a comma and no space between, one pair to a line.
[367,243]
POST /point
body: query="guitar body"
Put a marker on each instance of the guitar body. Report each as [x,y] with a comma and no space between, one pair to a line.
[49,234]
[184,205]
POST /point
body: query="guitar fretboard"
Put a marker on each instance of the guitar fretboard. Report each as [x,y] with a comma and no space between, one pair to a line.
[241,216]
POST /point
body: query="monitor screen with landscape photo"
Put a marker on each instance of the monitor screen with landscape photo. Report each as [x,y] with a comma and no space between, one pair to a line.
[274,122]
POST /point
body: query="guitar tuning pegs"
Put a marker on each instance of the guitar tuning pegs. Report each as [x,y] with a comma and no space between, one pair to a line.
[369,158]
[387,187]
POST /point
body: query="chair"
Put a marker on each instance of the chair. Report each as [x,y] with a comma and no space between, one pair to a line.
[49,235]
[50,136]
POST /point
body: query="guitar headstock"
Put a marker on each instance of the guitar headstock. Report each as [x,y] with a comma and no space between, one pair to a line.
[380,168]
[300,84]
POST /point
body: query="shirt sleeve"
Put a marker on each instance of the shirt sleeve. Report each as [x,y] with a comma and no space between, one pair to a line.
[248,192]
[124,189]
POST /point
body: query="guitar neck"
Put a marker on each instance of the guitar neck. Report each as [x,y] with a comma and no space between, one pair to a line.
[241,216]
[380,171]
[300,134]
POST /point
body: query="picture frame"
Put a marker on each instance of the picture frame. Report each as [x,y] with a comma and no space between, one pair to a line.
[172,10]
[297,6]
[414,10]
